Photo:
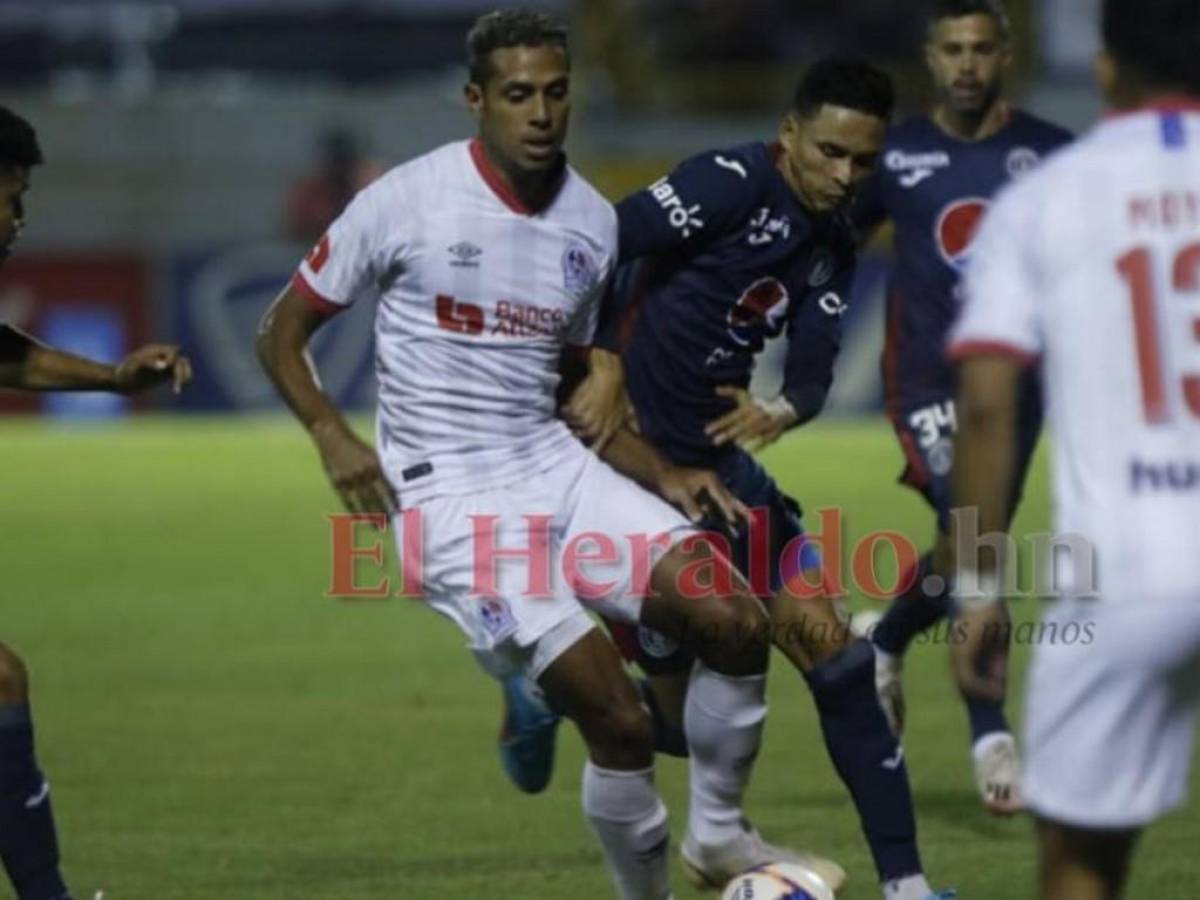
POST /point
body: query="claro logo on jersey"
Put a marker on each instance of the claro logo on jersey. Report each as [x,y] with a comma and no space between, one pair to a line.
[915,167]
[684,219]
[955,228]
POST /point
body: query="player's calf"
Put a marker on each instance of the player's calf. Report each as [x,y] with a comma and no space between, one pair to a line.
[589,684]
[28,843]
[1083,864]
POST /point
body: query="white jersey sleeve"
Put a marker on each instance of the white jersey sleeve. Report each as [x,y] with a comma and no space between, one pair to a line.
[1003,288]
[348,262]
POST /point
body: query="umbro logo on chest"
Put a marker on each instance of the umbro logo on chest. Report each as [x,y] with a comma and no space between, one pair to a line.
[466,255]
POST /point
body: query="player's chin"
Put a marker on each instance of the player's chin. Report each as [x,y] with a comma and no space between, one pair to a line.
[538,159]
[831,202]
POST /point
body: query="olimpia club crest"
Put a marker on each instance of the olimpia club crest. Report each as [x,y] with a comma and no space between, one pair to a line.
[579,269]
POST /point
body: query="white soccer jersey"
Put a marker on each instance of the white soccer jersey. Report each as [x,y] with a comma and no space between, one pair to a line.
[1093,264]
[477,296]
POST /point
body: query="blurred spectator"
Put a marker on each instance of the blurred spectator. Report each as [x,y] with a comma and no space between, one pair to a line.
[318,198]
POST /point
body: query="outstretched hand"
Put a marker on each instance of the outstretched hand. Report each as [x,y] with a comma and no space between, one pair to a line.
[150,366]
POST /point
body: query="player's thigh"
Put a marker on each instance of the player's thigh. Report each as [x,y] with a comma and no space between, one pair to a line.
[1110,714]
[614,536]
[499,601]
[926,431]
[653,652]
[783,567]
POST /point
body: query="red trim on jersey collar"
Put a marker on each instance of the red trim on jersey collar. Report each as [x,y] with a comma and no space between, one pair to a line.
[961,350]
[1166,103]
[495,180]
[315,299]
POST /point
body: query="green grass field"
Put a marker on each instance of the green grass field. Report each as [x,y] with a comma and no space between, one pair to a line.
[215,728]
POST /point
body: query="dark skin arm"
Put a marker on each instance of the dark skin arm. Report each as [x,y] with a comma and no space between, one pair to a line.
[351,464]
[597,407]
[983,476]
[753,423]
[27,364]
[699,493]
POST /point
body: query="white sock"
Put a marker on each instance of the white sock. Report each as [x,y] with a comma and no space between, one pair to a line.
[723,720]
[630,820]
[911,887]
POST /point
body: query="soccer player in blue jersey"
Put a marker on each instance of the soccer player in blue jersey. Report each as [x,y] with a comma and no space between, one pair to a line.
[937,175]
[734,247]
[28,843]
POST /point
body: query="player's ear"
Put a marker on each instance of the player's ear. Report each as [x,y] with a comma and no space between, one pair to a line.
[473,93]
[1107,76]
[789,131]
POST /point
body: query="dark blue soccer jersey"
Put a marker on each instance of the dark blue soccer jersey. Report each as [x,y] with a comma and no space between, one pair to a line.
[935,188]
[717,257]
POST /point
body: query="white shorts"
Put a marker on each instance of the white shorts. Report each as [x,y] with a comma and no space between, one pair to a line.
[1110,712]
[506,608]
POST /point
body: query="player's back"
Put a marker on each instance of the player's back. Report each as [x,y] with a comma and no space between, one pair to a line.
[1106,239]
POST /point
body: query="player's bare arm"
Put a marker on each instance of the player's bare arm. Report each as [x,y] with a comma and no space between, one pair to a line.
[597,407]
[352,466]
[754,422]
[27,364]
[983,474]
[698,493]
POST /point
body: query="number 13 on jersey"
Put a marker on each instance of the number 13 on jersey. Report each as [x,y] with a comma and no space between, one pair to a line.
[1138,268]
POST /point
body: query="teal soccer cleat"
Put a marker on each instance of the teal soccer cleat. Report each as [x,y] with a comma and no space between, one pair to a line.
[527,735]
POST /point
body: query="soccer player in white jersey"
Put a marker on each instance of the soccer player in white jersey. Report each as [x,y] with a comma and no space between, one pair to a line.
[1093,265]
[487,259]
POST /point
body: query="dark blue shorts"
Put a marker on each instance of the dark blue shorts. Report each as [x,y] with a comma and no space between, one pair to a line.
[785,554]
[926,430]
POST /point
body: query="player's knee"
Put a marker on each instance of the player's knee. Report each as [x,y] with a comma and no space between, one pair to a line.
[735,636]
[622,737]
[809,627]
[14,679]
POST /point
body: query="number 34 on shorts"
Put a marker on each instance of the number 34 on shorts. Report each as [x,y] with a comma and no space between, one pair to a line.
[934,427]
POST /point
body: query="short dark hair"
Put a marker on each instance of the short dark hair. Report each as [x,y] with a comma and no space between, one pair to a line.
[956,9]
[842,81]
[510,28]
[1156,41]
[18,141]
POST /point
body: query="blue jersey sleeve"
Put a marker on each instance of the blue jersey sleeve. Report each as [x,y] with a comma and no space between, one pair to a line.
[705,197]
[814,340]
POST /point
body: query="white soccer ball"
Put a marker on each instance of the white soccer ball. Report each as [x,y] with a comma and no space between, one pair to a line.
[778,881]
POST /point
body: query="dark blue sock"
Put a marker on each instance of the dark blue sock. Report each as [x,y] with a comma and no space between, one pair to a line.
[868,757]
[28,846]
[668,738]
[912,612]
[985,718]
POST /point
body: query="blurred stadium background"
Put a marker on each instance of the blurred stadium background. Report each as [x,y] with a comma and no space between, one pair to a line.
[179,134]
[214,727]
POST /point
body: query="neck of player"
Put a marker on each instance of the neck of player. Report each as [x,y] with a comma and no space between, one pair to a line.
[534,188]
[972,125]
